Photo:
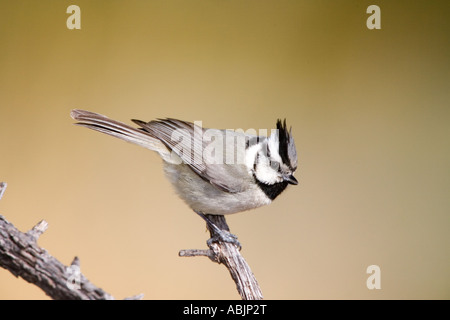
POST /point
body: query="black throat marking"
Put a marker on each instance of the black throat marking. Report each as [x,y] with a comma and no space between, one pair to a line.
[273,190]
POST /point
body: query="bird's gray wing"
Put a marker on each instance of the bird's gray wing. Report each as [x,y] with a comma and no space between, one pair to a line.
[206,157]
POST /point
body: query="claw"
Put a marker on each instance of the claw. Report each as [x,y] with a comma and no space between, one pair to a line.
[219,235]
[224,236]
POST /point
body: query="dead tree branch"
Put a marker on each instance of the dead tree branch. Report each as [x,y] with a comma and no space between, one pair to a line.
[230,256]
[21,255]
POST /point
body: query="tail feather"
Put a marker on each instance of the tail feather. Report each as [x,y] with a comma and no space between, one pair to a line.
[119,130]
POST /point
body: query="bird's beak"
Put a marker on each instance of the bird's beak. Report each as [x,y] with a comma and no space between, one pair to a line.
[291,179]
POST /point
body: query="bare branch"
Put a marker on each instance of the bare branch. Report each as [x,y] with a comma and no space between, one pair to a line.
[198,253]
[21,255]
[38,229]
[230,256]
[2,189]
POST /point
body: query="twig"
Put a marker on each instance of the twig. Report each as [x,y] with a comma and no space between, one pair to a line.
[20,254]
[2,189]
[229,255]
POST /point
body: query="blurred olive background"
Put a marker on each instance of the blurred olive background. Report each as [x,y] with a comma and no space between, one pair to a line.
[370,114]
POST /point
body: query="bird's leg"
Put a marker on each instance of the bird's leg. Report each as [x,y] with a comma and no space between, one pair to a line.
[218,227]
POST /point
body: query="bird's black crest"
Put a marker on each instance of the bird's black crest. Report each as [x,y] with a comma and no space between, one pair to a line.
[284,137]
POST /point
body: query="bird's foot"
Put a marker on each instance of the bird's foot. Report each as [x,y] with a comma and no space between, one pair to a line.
[224,236]
[219,234]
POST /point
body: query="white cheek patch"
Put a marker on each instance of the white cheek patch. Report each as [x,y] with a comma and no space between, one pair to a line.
[264,171]
[266,174]
[257,162]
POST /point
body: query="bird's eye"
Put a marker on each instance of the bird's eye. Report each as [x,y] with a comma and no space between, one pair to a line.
[275,165]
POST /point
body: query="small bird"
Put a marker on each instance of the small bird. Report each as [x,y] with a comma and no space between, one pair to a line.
[216,172]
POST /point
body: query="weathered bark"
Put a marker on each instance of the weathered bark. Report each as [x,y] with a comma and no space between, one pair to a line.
[229,254]
[23,257]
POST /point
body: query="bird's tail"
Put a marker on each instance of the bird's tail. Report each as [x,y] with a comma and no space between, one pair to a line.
[119,130]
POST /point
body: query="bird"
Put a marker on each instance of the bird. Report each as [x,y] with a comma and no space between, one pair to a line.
[215,172]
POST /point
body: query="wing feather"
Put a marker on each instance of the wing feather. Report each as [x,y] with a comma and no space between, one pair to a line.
[186,140]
